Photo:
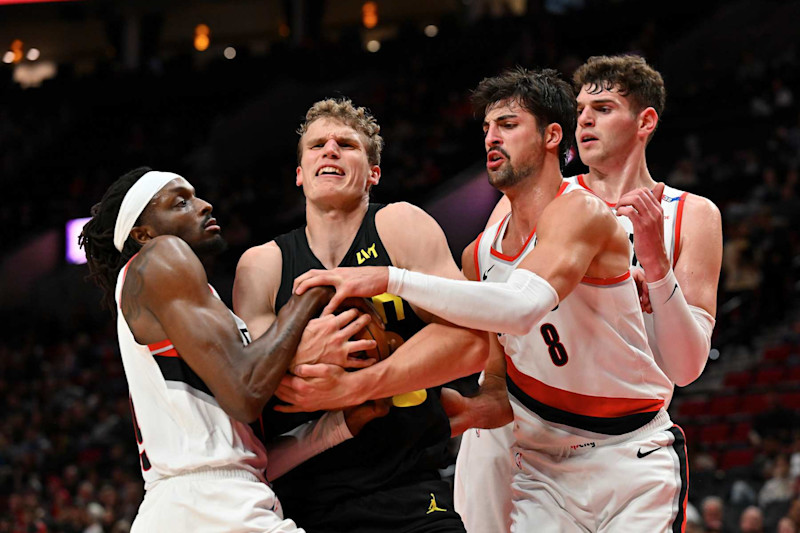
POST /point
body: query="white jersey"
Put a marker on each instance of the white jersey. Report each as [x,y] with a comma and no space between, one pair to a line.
[672,203]
[180,427]
[585,372]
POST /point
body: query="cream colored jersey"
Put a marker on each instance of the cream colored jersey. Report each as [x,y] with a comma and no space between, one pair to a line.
[180,428]
[585,372]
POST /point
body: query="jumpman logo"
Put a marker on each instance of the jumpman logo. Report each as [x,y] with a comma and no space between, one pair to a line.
[433,507]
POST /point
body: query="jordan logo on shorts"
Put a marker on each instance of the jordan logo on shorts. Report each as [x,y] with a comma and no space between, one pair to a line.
[433,507]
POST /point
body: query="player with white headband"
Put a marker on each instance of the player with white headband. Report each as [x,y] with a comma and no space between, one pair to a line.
[197,385]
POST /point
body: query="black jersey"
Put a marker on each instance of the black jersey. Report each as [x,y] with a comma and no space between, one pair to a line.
[405,447]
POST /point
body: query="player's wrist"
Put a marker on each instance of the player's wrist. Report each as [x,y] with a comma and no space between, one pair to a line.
[356,387]
[656,269]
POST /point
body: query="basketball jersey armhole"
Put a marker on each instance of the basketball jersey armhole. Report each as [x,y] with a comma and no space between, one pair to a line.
[476,257]
[678,220]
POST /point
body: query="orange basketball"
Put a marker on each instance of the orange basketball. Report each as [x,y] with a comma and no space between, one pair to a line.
[372,331]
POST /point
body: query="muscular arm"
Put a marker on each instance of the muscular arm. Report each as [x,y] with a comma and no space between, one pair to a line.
[693,306]
[326,339]
[173,289]
[490,408]
[255,287]
[683,298]
[577,236]
[439,352]
[435,355]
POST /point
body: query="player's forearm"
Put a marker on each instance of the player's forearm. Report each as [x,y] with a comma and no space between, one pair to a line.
[306,441]
[271,354]
[435,355]
[682,332]
[514,306]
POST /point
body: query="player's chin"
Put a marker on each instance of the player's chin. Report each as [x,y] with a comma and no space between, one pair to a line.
[212,244]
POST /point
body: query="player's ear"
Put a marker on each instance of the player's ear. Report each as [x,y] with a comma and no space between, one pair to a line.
[648,120]
[299,179]
[374,175]
[553,135]
[143,233]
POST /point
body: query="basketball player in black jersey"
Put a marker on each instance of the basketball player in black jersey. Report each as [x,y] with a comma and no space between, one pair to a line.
[385,479]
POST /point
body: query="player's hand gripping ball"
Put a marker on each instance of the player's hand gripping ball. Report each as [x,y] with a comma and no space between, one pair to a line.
[374,330]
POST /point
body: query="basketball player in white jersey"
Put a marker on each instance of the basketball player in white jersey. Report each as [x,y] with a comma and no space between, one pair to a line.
[619,103]
[586,394]
[195,380]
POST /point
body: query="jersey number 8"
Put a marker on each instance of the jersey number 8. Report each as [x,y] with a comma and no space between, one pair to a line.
[557,351]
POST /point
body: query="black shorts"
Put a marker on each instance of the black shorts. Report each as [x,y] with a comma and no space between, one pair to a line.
[425,507]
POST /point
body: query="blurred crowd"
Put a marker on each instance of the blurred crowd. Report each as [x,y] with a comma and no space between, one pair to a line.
[68,460]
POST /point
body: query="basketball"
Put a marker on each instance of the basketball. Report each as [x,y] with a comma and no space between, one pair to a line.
[372,331]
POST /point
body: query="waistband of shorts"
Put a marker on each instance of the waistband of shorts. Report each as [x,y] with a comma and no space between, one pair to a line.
[585,443]
[208,473]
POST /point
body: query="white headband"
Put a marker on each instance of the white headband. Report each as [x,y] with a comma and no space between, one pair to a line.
[136,199]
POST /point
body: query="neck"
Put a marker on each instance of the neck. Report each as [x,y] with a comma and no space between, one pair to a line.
[528,199]
[619,175]
[330,231]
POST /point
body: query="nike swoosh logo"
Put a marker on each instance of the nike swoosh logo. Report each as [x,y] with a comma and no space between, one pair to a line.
[487,272]
[639,453]
[675,288]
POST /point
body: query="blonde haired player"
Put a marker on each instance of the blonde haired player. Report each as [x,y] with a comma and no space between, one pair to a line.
[586,394]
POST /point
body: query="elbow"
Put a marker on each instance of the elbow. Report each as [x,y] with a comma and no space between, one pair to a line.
[689,377]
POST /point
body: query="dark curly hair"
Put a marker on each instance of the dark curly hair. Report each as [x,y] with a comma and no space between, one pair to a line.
[97,238]
[540,92]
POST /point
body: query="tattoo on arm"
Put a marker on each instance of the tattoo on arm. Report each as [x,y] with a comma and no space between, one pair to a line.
[134,284]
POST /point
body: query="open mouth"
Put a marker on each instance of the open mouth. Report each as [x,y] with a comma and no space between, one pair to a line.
[494,159]
[330,171]
[212,225]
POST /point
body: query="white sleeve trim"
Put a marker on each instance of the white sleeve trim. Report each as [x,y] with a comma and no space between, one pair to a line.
[514,306]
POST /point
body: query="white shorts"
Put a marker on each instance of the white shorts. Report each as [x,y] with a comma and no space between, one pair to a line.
[230,501]
[636,485]
[484,470]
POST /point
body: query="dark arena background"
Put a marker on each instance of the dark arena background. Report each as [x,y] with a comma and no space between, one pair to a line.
[214,90]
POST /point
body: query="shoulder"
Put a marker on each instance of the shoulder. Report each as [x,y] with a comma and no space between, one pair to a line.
[589,205]
[166,265]
[402,212]
[414,240]
[258,277]
[701,208]
[700,228]
[396,221]
[263,257]
[166,255]
[578,212]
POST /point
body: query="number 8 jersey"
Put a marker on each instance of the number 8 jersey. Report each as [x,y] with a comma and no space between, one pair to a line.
[585,372]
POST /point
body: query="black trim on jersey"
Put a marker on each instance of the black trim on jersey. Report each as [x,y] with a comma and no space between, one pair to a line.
[176,369]
[679,445]
[607,426]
